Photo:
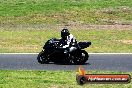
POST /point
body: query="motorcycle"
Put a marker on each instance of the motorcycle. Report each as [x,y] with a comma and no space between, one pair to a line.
[53,52]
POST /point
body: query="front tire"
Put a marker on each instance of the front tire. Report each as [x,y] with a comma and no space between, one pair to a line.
[42,58]
[80,57]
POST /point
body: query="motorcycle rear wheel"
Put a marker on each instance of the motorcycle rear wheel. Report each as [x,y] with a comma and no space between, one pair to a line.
[80,57]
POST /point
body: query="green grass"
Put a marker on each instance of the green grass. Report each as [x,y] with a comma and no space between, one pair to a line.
[33,40]
[17,15]
[65,11]
[51,79]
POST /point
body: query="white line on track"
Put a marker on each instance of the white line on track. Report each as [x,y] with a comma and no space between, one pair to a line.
[89,53]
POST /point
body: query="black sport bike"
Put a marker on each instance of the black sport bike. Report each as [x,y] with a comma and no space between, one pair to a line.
[53,52]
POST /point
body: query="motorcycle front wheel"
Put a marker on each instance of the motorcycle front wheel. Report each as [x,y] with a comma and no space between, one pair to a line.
[42,58]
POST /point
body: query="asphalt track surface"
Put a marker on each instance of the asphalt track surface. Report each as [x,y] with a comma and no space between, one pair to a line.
[112,62]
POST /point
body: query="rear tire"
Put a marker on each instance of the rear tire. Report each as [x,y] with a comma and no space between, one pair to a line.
[42,58]
[80,57]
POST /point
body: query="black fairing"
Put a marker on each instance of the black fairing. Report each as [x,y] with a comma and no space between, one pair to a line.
[51,44]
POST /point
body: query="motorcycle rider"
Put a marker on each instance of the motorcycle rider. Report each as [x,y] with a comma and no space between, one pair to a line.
[68,41]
